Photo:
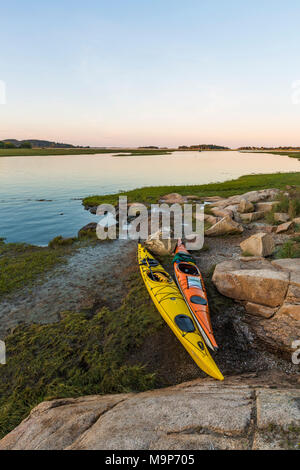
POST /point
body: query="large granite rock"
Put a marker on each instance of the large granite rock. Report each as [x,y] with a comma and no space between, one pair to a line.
[245,206]
[225,226]
[173,198]
[191,416]
[256,282]
[281,217]
[251,196]
[159,245]
[252,216]
[270,290]
[260,244]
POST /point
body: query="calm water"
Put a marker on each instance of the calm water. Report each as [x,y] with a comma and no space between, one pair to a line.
[60,181]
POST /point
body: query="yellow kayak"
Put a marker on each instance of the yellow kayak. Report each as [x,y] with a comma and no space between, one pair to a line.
[172,307]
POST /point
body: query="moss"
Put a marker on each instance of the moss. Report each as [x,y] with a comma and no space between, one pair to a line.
[60,241]
[82,354]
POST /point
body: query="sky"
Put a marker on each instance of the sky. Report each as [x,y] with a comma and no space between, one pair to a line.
[151,72]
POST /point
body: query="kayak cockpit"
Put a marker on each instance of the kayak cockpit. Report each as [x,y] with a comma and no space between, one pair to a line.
[158,276]
[189,269]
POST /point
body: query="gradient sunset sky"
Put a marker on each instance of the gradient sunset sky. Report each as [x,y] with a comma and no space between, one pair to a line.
[151,72]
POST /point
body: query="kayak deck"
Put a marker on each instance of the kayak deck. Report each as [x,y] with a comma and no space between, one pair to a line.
[171,305]
[191,285]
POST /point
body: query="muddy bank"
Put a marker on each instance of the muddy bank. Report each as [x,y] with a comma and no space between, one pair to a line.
[77,285]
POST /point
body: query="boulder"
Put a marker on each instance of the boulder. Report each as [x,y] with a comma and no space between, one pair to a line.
[260,310]
[225,226]
[266,206]
[221,212]
[291,310]
[88,230]
[296,221]
[173,198]
[287,264]
[252,216]
[158,244]
[213,199]
[251,196]
[281,217]
[285,227]
[245,206]
[260,244]
[255,282]
[271,291]
[196,415]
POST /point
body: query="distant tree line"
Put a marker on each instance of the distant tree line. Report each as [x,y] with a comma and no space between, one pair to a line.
[10,145]
[203,147]
[269,148]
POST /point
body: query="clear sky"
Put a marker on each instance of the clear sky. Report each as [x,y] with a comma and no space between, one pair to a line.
[151,72]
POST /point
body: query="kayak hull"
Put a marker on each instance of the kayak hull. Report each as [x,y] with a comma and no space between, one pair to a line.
[171,305]
[191,285]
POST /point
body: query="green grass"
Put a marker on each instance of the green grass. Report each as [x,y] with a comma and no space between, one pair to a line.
[82,354]
[290,249]
[241,185]
[288,153]
[21,264]
[76,151]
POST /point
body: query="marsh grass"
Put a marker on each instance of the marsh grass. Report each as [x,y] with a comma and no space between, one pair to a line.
[152,194]
[290,249]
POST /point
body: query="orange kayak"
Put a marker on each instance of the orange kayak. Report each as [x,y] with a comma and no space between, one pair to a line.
[191,285]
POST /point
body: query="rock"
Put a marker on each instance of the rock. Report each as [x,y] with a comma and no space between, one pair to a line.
[260,244]
[278,407]
[266,206]
[251,196]
[276,334]
[57,424]
[246,259]
[88,230]
[225,226]
[287,264]
[277,420]
[210,219]
[296,221]
[250,217]
[258,283]
[284,227]
[281,217]
[196,415]
[292,310]
[221,212]
[173,198]
[194,198]
[159,245]
[245,206]
[260,310]
[213,199]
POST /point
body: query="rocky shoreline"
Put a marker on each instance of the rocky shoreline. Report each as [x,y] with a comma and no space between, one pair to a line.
[255,308]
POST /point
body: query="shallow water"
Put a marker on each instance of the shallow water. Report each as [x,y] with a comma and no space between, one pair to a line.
[40,196]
